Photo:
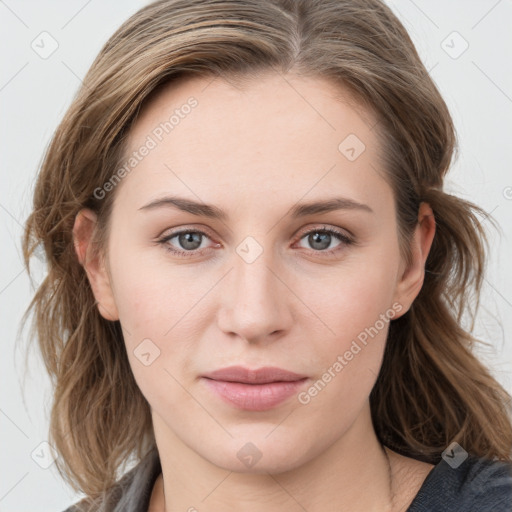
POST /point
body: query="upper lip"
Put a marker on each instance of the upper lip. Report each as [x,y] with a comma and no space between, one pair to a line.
[262,375]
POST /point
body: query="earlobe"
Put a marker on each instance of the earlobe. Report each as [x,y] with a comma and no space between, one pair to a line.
[94,265]
[411,280]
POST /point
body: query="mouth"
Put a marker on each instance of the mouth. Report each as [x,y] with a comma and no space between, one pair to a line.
[254,390]
[263,375]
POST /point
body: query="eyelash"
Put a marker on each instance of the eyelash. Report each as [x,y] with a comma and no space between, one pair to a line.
[342,237]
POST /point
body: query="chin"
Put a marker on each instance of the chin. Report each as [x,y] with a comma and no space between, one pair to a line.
[260,455]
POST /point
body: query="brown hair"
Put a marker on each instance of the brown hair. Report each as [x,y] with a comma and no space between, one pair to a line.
[431,389]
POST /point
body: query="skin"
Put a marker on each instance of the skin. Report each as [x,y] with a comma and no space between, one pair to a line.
[255,151]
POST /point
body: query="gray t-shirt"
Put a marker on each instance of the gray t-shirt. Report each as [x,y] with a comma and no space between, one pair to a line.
[477,485]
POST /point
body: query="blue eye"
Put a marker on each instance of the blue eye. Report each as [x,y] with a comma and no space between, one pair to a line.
[190,242]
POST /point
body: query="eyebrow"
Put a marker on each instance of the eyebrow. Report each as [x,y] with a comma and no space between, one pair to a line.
[297,211]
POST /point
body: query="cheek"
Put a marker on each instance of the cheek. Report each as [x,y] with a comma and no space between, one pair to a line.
[349,361]
[160,311]
[354,298]
[151,296]
[161,303]
[356,304]
[150,311]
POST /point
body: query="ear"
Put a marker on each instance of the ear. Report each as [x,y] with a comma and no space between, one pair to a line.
[94,264]
[411,277]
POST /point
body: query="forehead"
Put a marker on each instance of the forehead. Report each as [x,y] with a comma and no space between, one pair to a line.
[271,136]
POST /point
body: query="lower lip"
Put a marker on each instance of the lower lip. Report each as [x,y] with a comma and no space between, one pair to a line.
[254,397]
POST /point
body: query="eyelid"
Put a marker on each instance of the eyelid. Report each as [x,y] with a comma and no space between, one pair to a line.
[344,236]
[326,227]
[164,238]
[300,233]
[199,228]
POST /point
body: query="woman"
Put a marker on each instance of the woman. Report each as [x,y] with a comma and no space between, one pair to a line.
[256,281]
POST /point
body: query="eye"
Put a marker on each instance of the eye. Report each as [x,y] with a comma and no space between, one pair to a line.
[320,239]
[187,242]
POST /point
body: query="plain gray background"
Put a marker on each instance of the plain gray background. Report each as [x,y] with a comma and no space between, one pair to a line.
[467,47]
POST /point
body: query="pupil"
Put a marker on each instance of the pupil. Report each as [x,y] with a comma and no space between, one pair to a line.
[190,240]
[323,239]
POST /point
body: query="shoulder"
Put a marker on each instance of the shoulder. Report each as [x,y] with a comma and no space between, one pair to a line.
[131,493]
[477,484]
[487,483]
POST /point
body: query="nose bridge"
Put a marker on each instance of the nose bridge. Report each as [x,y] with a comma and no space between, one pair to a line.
[255,304]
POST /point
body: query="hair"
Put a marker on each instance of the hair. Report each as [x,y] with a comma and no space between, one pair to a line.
[431,389]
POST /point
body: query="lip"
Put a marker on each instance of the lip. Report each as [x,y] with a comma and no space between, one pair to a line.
[254,390]
[262,375]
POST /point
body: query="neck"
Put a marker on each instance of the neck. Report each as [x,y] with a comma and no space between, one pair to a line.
[340,474]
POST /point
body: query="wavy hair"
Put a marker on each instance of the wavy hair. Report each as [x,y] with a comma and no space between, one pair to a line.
[431,389]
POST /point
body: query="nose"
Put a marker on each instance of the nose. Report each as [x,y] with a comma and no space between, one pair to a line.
[256,301]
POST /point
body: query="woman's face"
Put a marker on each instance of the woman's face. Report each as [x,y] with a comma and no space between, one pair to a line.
[257,175]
